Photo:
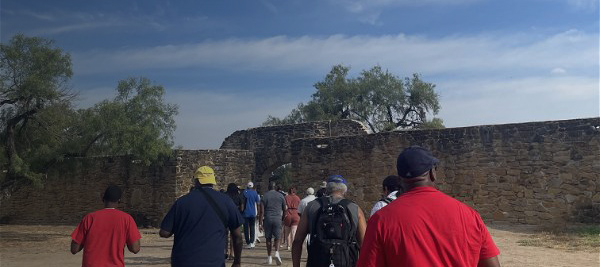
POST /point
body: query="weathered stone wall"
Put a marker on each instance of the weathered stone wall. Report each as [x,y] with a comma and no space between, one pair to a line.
[148,192]
[533,173]
[230,166]
[271,145]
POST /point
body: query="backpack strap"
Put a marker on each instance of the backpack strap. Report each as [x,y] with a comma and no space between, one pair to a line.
[324,202]
[387,200]
[214,206]
[344,203]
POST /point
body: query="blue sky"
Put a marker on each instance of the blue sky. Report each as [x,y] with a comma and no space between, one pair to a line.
[229,64]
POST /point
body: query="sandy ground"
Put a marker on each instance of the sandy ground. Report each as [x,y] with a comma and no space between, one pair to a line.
[49,246]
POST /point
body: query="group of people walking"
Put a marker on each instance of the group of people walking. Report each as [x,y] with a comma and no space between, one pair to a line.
[413,224]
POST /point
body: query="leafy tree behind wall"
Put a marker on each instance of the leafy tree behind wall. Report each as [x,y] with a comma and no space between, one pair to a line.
[33,78]
[376,97]
[135,122]
[40,127]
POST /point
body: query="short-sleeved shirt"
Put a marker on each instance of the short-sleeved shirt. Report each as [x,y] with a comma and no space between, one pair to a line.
[199,232]
[238,200]
[380,204]
[274,203]
[305,202]
[425,227]
[252,199]
[103,235]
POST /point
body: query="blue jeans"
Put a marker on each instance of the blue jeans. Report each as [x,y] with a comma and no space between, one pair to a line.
[249,229]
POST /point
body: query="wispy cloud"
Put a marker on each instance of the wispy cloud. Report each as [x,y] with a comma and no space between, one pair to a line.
[482,79]
[590,5]
[269,6]
[514,53]
[537,98]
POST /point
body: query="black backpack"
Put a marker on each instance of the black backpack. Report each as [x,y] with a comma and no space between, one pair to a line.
[333,236]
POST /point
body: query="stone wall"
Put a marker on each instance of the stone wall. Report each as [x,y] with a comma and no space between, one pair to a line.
[532,173]
[75,188]
[230,166]
[271,145]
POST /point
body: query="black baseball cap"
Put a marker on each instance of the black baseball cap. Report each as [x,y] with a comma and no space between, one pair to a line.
[415,161]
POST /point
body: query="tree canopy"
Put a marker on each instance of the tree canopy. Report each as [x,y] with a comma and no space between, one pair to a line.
[378,98]
[40,126]
[33,77]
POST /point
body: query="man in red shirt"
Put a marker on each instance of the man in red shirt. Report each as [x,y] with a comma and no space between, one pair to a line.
[425,227]
[103,234]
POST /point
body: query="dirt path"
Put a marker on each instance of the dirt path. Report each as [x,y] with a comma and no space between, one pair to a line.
[49,246]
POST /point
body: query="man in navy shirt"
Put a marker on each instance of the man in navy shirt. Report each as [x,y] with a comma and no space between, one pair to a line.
[199,221]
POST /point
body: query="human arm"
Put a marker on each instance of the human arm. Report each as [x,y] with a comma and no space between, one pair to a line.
[301,233]
[134,247]
[236,239]
[166,226]
[75,247]
[79,235]
[133,237]
[362,227]
[490,262]
[284,208]
[259,215]
[164,233]
[372,252]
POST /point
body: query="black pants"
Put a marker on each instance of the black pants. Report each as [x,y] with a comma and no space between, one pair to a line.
[250,229]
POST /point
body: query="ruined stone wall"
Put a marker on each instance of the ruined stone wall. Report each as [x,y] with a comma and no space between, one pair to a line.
[271,145]
[533,173]
[75,188]
[230,166]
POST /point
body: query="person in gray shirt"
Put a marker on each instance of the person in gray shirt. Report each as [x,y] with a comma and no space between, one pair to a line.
[273,206]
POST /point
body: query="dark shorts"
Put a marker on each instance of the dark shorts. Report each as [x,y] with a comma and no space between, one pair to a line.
[272,227]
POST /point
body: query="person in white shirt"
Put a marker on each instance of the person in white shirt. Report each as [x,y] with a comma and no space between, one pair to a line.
[391,189]
[310,196]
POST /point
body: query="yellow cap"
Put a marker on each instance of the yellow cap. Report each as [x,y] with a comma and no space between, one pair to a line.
[205,175]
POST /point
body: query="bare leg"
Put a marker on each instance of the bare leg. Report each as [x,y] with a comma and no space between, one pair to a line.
[292,234]
[268,243]
[286,235]
[276,246]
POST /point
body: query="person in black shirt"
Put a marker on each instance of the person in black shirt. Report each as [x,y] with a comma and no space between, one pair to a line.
[200,221]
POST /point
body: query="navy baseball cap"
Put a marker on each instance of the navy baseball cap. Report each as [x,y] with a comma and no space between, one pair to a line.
[336,179]
[415,161]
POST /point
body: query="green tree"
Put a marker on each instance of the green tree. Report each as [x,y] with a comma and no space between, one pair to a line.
[282,176]
[379,99]
[33,85]
[136,122]
[39,126]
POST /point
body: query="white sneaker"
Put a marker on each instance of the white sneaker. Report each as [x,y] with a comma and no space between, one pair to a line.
[249,245]
[269,260]
[277,258]
[252,245]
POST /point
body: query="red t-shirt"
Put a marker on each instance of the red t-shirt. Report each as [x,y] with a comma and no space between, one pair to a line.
[425,227]
[103,234]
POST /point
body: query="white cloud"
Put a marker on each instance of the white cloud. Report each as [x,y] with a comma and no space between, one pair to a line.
[591,5]
[575,50]
[205,118]
[495,101]
[482,79]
